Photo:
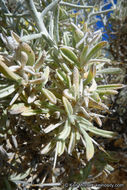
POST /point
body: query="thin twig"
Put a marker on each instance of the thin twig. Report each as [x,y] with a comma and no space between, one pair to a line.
[39,21]
[101,12]
[31,37]
[75,6]
[17,15]
[49,7]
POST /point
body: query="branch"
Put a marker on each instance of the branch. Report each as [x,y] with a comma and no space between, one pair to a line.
[17,15]
[75,6]
[49,7]
[101,12]
[31,37]
[36,16]
[39,21]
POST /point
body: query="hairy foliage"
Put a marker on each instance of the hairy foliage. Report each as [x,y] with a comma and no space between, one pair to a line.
[52,97]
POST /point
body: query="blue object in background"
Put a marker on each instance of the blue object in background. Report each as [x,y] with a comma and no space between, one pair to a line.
[100,25]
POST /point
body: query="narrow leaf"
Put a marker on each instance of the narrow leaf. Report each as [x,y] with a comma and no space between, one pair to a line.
[89,144]
[99,132]
[72,141]
[51,97]
[110,71]
[60,147]
[7,91]
[83,55]
[65,132]
[67,106]
[4,69]
[94,51]
[91,74]
[69,55]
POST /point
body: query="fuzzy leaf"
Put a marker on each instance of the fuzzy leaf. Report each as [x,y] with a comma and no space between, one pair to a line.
[67,106]
[4,69]
[7,91]
[17,108]
[99,132]
[60,147]
[51,127]
[110,86]
[69,55]
[51,97]
[24,47]
[31,112]
[97,105]
[91,74]
[72,141]
[106,92]
[76,80]
[89,144]
[20,176]
[94,51]
[47,148]
[65,132]
[67,93]
[83,55]
[110,71]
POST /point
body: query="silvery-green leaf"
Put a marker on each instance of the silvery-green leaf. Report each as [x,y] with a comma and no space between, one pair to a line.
[98,121]
[110,71]
[69,81]
[95,96]
[23,58]
[28,50]
[86,101]
[76,80]
[85,113]
[4,69]
[51,127]
[89,144]
[17,108]
[66,68]
[81,87]
[67,106]
[106,92]
[46,75]
[60,147]
[65,132]
[39,62]
[16,95]
[30,112]
[94,51]
[20,176]
[6,91]
[80,119]
[47,148]
[51,97]
[93,87]
[66,38]
[83,55]
[31,98]
[15,37]
[61,75]
[91,74]
[78,34]
[110,86]
[38,80]
[99,132]
[22,109]
[97,105]
[77,134]
[68,94]
[72,141]
[69,55]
